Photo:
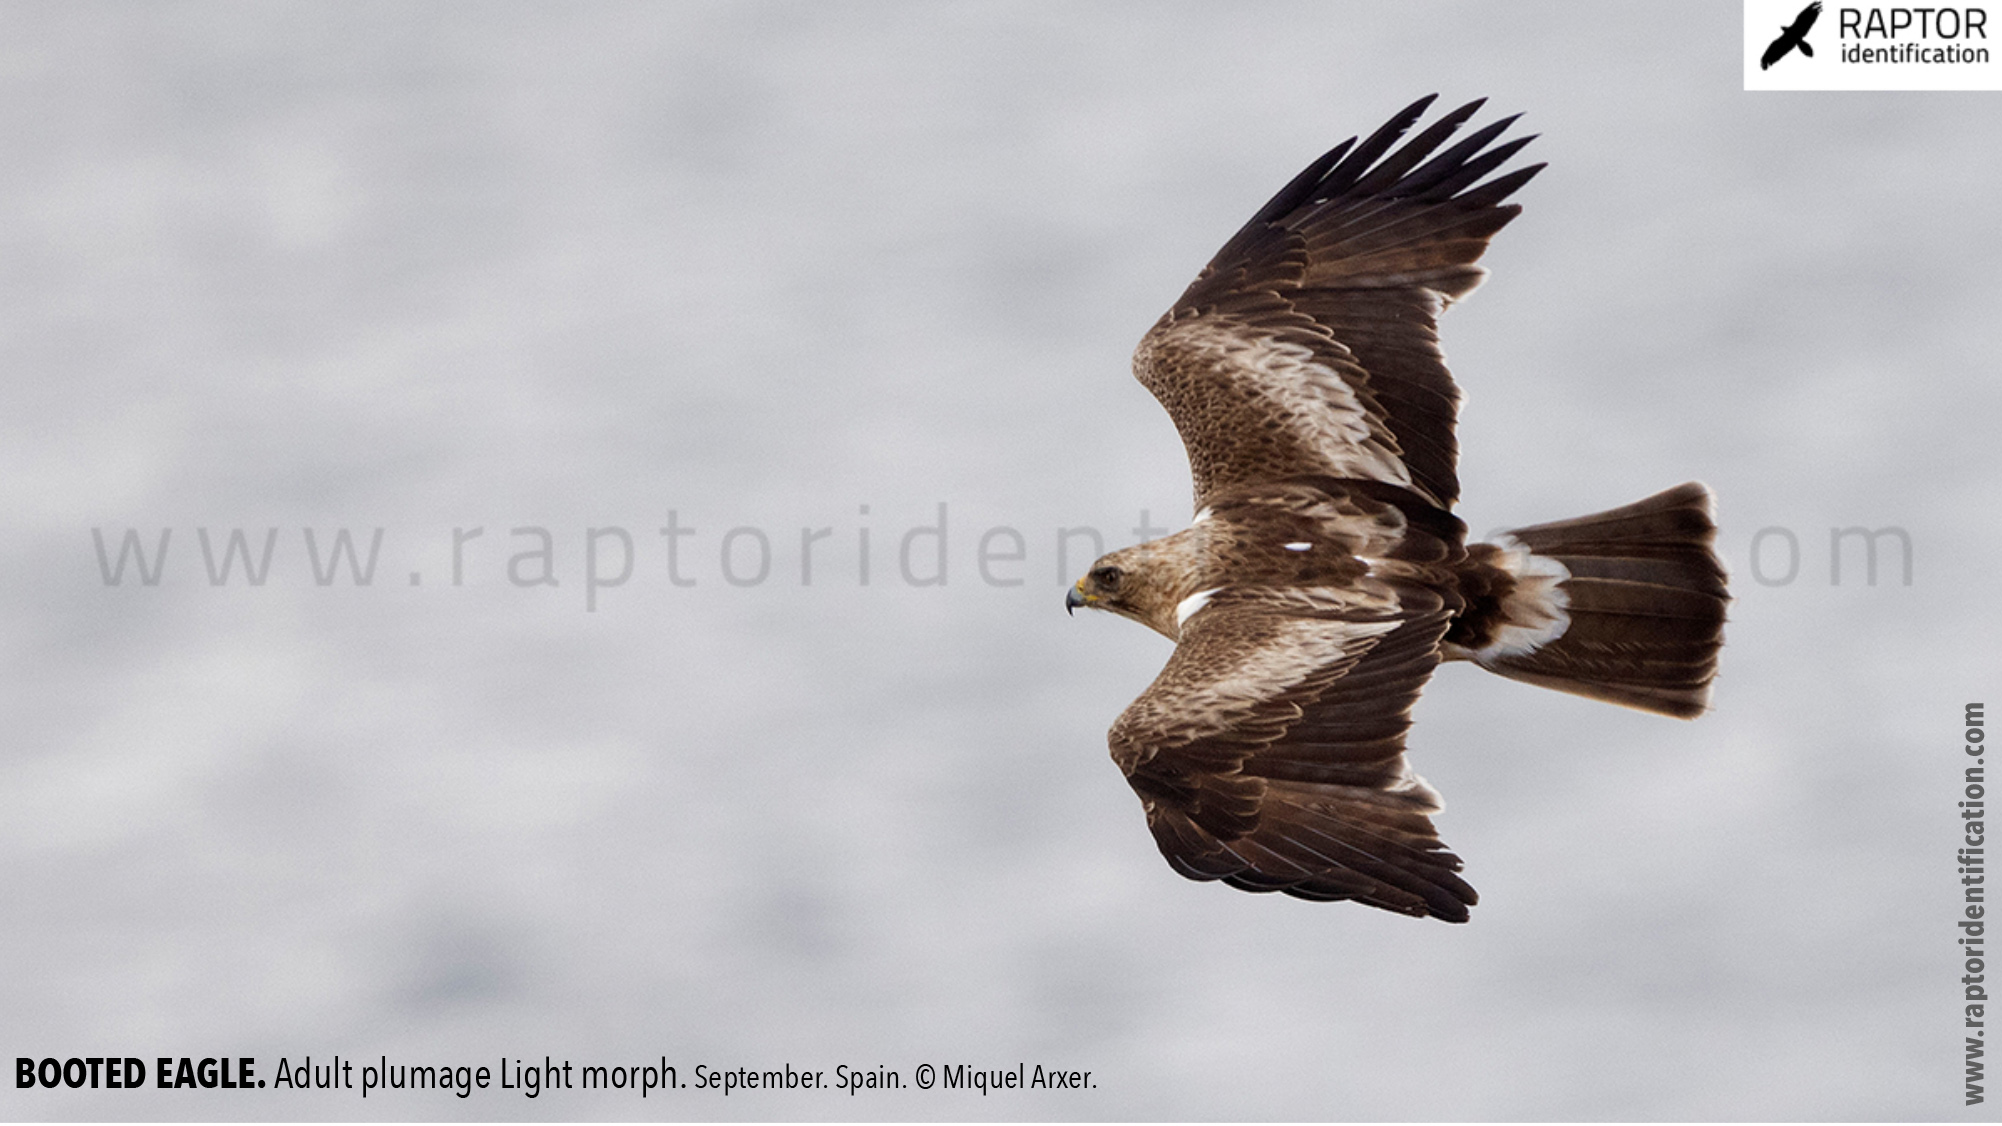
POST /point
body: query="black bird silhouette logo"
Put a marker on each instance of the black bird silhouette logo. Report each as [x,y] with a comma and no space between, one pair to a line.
[1791,37]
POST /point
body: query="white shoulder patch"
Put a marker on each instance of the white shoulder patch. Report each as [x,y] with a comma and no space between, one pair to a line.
[1187,607]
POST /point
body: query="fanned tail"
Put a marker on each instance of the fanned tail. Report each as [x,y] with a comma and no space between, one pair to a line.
[1625,605]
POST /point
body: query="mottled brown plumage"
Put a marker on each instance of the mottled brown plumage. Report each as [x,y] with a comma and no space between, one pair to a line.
[1324,577]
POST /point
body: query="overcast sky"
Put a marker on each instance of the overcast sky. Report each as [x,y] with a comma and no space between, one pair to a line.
[522,286]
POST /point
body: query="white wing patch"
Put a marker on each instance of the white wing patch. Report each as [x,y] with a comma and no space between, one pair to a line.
[1314,401]
[1303,546]
[1299,648]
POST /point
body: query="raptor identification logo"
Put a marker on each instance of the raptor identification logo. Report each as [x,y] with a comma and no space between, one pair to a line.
[1833,45]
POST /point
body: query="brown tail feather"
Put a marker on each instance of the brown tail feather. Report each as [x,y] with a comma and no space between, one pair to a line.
[1645,598]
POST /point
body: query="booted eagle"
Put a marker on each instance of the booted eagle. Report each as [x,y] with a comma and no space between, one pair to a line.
[1325,576]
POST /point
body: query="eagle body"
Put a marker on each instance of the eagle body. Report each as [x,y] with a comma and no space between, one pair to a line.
[1325,576]
[1339,543]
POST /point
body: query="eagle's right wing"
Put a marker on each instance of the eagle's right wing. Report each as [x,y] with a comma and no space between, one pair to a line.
[1309,344]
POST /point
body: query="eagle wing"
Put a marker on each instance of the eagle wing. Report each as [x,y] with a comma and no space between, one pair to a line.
[1269,753]
[1309,344]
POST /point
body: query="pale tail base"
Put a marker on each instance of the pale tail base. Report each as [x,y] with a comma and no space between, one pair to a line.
[1645,598]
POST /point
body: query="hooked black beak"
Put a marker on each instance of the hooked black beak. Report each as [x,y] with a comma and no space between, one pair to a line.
[1073,600]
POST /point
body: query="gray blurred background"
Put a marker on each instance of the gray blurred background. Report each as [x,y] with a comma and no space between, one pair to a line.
[429,268]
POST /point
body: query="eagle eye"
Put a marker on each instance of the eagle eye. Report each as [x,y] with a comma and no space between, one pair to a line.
[1106,576]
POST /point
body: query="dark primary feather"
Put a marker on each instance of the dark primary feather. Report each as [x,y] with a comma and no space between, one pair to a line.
[1350,263]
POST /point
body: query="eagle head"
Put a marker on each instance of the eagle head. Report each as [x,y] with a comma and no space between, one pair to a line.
[1139,582]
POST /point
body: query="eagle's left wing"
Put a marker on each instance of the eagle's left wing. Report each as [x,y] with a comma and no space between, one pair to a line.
[1269,753]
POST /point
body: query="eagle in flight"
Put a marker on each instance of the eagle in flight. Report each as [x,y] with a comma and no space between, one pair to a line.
[1792,36]
[1324,576]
